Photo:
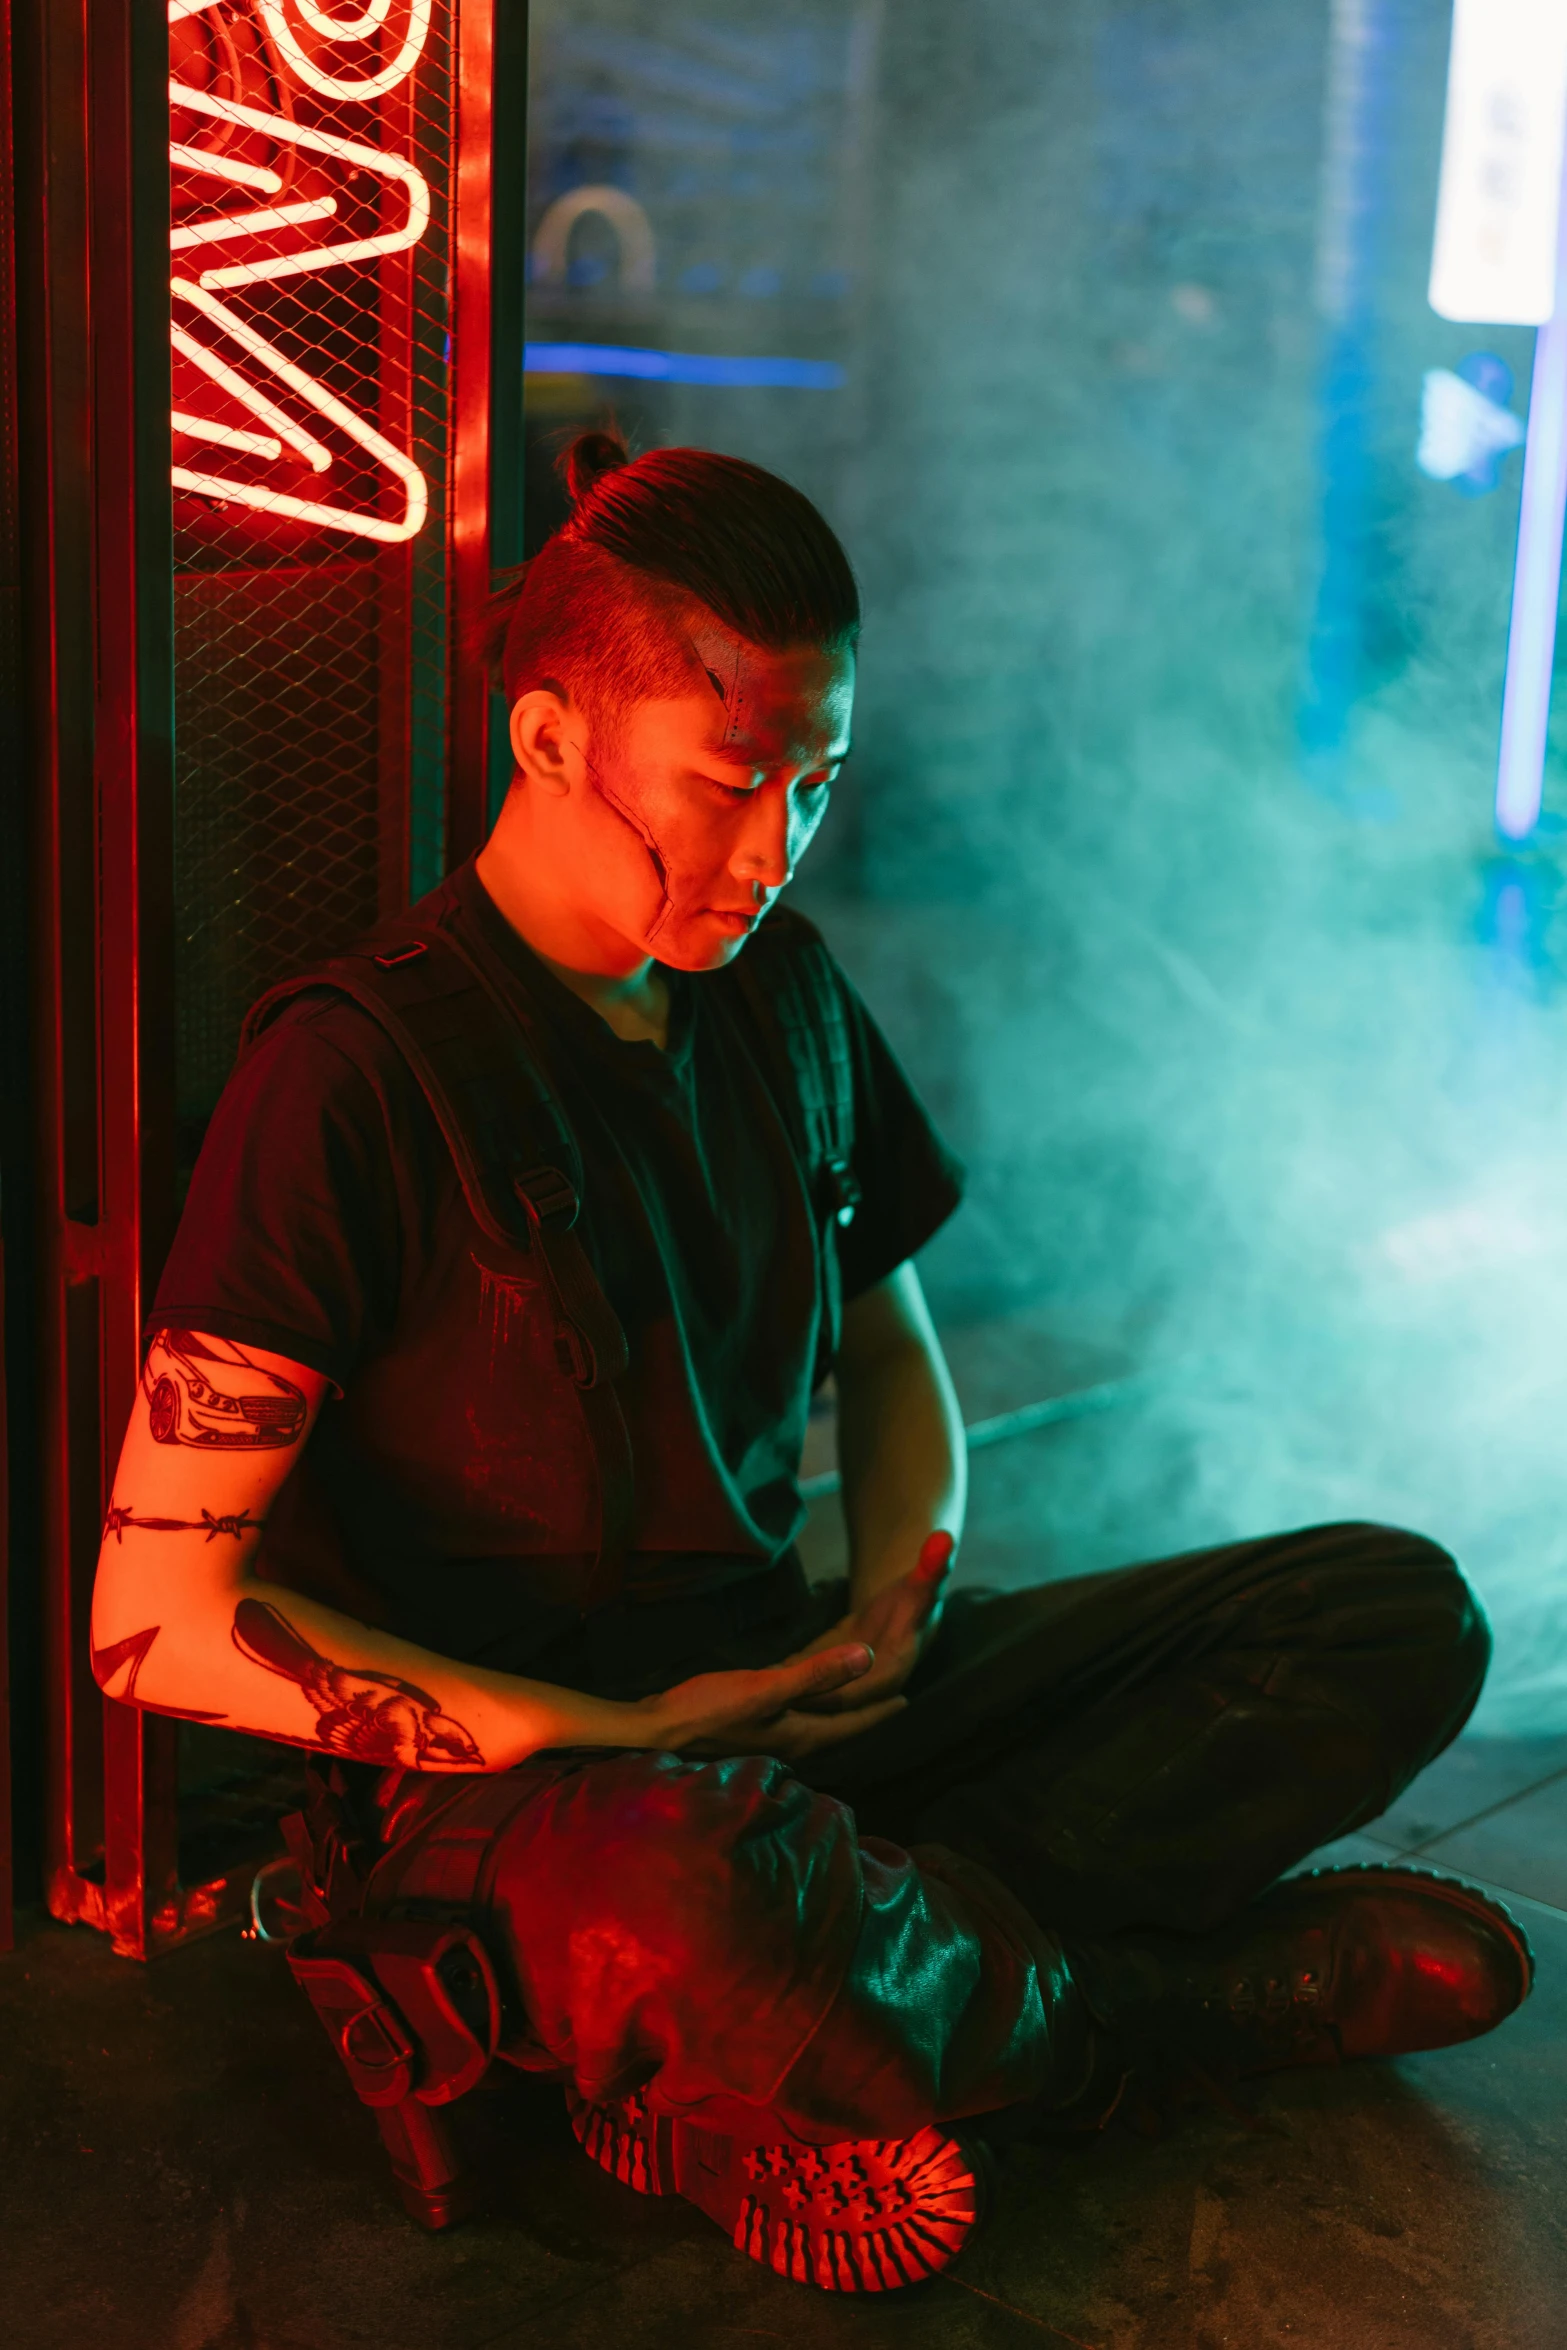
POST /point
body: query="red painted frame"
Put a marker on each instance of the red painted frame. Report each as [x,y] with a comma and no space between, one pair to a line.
[93,311]
[12,917]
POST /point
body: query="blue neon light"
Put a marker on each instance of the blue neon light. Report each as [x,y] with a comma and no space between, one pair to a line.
[1531,635]
[680,367]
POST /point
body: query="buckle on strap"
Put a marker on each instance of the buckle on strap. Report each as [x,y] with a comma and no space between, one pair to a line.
[377,2052]
[549,1197]
[411,2006]
[843,1190]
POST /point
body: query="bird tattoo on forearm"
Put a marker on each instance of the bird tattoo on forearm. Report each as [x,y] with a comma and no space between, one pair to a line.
[373,1717]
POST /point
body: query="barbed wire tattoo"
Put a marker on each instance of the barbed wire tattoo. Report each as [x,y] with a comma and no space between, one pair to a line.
[235,1522]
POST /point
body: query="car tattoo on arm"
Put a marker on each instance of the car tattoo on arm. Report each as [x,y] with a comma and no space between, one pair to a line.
[207,1392]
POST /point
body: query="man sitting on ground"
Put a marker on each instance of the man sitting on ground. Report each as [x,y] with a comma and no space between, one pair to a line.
[518,1246]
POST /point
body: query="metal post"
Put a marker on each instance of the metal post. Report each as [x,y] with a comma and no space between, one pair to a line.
[486,525]
[13,932]
[93,272]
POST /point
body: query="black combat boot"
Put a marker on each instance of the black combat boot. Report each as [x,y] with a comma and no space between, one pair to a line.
[1380,1960]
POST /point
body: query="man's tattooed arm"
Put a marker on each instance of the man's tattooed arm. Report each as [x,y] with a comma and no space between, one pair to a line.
[193,1614]
[375,1717]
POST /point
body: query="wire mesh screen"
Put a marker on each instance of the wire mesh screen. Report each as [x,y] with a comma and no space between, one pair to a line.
[312,150]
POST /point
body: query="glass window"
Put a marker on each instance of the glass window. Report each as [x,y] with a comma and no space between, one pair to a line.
[1187,531]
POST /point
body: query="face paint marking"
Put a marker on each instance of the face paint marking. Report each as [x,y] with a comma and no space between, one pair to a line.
[637,824]
[722,653]
[780,708]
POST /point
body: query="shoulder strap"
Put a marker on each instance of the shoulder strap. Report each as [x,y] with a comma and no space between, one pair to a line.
[787,979]
[447,1009]
[487,1090]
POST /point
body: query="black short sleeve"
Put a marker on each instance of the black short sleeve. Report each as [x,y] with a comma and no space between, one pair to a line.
[290,1234]
[910,1182]
[326,1222]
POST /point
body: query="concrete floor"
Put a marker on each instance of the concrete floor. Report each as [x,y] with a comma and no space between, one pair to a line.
[183,2166]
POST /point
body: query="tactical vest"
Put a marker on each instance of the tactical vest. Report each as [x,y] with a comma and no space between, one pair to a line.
[452,1010]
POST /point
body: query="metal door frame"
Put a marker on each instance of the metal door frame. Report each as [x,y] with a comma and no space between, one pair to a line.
[92,263]
[13,923]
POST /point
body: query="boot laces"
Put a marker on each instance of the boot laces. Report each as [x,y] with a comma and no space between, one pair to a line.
[1274,1999]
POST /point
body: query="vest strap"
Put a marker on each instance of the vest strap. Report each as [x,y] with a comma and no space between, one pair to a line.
[516,1158]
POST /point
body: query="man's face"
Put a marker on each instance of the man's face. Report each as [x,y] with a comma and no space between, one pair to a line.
[719,792]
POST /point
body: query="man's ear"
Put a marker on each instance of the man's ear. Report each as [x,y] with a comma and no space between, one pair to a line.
[547,739]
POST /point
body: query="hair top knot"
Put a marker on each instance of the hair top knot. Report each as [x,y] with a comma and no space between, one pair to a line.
[649,537]
[583,464]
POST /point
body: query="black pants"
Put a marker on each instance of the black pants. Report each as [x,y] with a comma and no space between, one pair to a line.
[1152,1746]
[1158,1744]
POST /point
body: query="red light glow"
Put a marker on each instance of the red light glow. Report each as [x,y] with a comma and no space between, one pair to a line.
[288,439]
[369,526]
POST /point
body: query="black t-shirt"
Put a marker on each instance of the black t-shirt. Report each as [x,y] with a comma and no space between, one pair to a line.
[326,1222]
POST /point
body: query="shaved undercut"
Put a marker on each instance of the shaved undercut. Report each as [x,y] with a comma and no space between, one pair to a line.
[669,565]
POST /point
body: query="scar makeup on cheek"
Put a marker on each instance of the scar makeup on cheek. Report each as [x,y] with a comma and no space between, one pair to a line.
[640,825]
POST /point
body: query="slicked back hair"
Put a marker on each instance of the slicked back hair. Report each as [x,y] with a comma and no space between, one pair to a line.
[597,611]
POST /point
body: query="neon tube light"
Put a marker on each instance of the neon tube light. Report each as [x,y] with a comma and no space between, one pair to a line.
[180,9]
[225,167]
[294,435]
[254,444]
[279,127]
[1499,259]
[679,367]
[250,224]
[347,29]
[369,526]
[1537,573]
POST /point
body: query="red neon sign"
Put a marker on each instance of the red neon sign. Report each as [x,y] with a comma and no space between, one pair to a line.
[225,150]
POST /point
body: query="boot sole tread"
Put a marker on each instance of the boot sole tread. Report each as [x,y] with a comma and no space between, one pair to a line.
[867,2215]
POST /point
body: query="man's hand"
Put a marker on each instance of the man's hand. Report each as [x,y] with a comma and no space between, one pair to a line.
[894,1623]
[774,1711]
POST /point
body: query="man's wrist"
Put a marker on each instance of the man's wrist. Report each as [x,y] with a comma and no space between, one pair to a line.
[869,1577]
[641,1722]
[894,1556]
[547,1716]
